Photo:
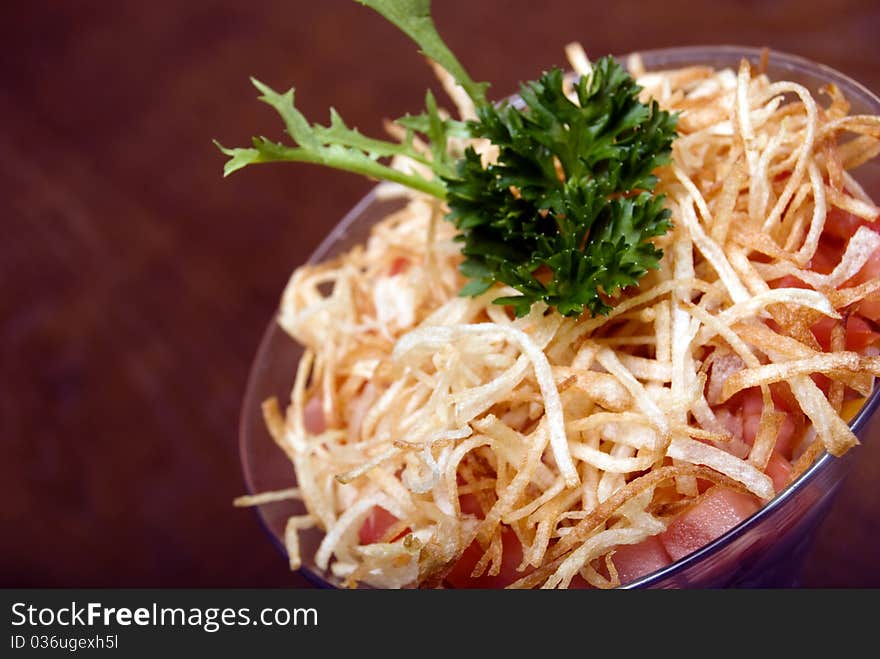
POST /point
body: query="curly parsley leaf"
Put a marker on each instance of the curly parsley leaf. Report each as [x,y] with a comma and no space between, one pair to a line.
[565,215]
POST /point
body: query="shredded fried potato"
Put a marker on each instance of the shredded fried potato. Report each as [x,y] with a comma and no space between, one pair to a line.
[569,438]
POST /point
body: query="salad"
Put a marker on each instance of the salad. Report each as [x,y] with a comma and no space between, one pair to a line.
[611,319]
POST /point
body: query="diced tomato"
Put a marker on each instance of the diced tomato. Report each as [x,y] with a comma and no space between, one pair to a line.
[779,470]
[634,561]
[785,440]
[833,245]
[631,562]
[843,225]
[869,271]
[398,265]
[822,331]
[732,422]
[470,505]
[823,382]
[752,406]
[379,521]
[788,281]
[827,256]
[313,416]
[839,228]
[715,513]
[376,525]
[460,575]
[870,308]
[577,582]
[511,557]
[859,334]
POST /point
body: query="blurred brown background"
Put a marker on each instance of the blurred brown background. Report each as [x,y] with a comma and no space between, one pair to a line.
[136,282]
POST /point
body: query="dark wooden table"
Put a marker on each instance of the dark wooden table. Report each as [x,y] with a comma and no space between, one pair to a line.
[136,282]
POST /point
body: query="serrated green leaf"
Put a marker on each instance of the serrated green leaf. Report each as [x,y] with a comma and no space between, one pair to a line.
[337,146]
[420,123]
[297,126]
[340,134]
[413,17]
[238,158]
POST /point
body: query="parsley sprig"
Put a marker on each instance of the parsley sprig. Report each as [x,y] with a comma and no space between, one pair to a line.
[566,213]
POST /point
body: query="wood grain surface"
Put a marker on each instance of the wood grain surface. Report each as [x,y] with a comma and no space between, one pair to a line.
[136,282]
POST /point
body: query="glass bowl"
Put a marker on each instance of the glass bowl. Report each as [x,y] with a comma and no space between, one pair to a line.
[765,550]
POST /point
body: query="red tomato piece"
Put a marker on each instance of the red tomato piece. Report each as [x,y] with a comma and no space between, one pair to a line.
[376,525]
[470,505]
[398,265]
[313,416]
[822,331]
[752,406]
[869,271]
[645,557]
[788,281]
[715,513]
[779,470]
[827,256]
[859,333]
[843,225]
[870,308]
[511,557]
